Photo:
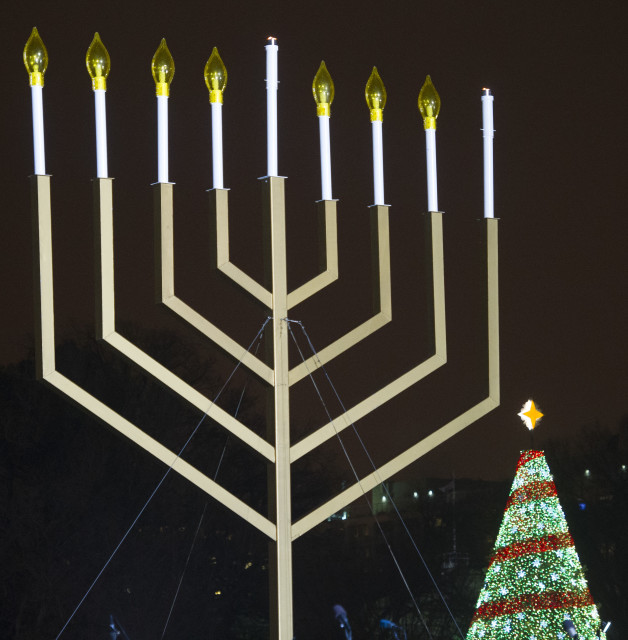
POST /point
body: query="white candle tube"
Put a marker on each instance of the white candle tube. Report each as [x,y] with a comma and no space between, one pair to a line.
[323,126]
[488,134]
[271,106]
[162,138]
[430,154]
[217,144]
[101,134]
[38,130]
[378,162]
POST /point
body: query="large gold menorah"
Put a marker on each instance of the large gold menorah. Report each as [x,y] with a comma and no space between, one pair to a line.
[277,525]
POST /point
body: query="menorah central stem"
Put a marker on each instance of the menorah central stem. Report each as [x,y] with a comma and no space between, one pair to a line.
[282,588]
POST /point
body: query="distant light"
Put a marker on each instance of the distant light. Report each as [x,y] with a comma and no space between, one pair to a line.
[416,493]
[344,515]
[623,468]
[383,498]
[582,506]
[217,593]
[248,565]
[430,493]
[608,624]
[587,472]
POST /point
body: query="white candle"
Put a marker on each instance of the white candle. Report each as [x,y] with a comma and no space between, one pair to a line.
[101,133]
[217,143]
[378,162]
[430,153]
[162,138]
[38,129]
[271,105]
[323,126]
[429,106]
[488,134]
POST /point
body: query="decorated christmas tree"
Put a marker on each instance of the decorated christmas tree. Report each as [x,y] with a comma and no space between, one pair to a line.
[535,580]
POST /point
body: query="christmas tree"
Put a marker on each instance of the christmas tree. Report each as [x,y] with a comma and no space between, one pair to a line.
[535,580]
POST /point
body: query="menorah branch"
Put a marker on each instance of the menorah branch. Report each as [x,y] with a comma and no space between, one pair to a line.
[219,206]
[164,250]
[446,431]
[328,252]
[434,261]
[380,242]
[45,347]
[42,275]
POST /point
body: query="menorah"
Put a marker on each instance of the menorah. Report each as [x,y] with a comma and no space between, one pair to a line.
[278,524]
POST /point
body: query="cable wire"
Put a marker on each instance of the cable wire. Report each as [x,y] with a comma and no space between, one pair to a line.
[389,496]
[163,478]
[401,519]
[364,494]
[200,522]
[370,459]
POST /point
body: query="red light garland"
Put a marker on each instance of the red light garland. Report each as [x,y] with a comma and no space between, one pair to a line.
[539,545]
[533,601]
[532,491]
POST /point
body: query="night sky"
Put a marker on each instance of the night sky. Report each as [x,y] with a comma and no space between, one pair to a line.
[559,180]
[555,70]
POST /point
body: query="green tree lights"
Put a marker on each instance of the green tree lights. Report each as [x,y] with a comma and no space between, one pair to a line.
[535,580]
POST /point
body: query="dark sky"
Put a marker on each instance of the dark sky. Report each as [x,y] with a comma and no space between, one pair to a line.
[555,70]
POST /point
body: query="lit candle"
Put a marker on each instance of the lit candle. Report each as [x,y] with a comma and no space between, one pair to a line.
[36,61]
[216,81]
[323,89]
[98,66]
[429,106]
[272,83]
[488,134]
[162,67]
[375,93]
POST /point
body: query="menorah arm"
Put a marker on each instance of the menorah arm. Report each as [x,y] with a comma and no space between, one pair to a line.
[394,466]
[219,205]
[42,271]
[106,326]
[449,429]
[195,398]
[60,383]
[45,356]
[382,300]
[164,265]
[435,261]
[328,258]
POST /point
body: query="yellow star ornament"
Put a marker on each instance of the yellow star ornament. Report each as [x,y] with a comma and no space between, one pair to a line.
[530,414]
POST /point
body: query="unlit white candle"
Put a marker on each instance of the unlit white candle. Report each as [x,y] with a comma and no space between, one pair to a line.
[101,134]
[323,126]
[488,134]
[272,83]
[430,154]
[162,138]
[217,144]
[378,162]
[38,130]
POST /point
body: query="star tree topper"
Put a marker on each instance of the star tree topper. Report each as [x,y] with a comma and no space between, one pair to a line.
[530,414]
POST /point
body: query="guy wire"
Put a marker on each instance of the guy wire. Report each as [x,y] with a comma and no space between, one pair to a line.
[161,481]
[370,459]
[364,494]
[200,522]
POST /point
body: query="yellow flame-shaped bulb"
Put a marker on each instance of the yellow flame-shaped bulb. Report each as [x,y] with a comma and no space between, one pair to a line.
[429,104]
[98,63]
[375,93]
[35,59]
[323,90]
[215,76]
[162,67]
